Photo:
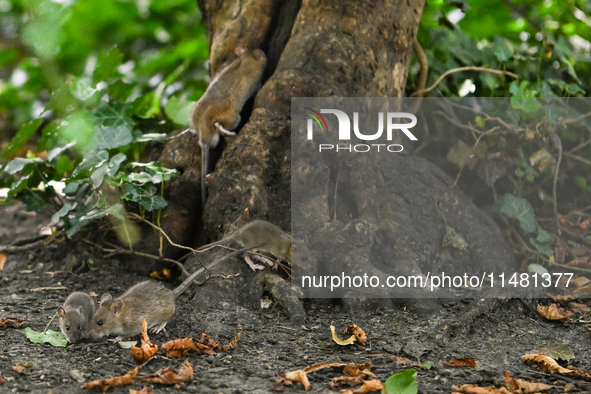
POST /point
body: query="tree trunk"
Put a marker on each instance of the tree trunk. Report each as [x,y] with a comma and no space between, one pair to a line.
[326,48]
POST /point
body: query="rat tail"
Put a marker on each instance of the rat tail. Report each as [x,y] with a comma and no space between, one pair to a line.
[204,168]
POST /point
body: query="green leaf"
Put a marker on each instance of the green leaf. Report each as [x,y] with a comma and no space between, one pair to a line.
[90,160]
[402,383]
[544,236]
[55,152]
[179,111]
[61,213]
[98,176]
[518,208]
[537,268]
[543,248]
[115,163]
[54,338]
[17,164]
[502,49]
[23,135]
[107,65]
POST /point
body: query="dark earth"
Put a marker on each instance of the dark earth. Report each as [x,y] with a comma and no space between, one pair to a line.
[35,281]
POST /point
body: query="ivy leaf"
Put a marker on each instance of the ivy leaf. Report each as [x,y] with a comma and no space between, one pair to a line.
[61,213]
[402,383]
[518,208]
[17,164]
[107,65]
[23,135]
[54,338]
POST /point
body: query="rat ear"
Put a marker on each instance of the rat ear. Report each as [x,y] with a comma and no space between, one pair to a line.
[61,312]
[105,297]
[117,305]
[259,54]
[239,51]
[80,310]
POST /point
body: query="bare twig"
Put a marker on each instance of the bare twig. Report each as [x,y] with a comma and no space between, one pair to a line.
[556,140]
[459,69]
[422,58]
[141,219]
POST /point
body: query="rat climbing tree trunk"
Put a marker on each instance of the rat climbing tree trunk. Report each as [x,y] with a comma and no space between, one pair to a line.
[324,48]
[315,48]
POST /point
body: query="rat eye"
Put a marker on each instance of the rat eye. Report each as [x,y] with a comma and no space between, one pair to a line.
[67,328]
[79,328]
[100,322]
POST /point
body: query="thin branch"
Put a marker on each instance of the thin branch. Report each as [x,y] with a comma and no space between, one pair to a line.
[141,219]
[459,69]
[424,72]
[556,140]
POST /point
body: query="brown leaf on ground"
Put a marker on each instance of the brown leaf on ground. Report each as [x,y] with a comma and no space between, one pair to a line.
[2,261]
[582,261]
[552,312]
[581,374]
[339,341]
[170,375]
[560,252]
[521,386]
[465,362]
[317,367]
[18,368]
[147,349]
[295,376]
[367,387]
[2,381]
[350,380]
[162,275]
[474,389]
[360,335]
[546,363]
[13,322]
[560,299]
[352,369]
[207,341]
[577,228]
[144,390]
[582,291]
[115,381]
[576,307]
[579,282]
[179,347]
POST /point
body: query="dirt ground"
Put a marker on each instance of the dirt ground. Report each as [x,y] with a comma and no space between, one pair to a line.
[33,283]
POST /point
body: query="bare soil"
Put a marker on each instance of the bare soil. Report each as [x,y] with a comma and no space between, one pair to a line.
[496,333]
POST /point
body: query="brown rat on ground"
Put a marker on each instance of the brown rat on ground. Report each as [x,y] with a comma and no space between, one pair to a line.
[263,236]
[147,300]
[218,110]
[75,316]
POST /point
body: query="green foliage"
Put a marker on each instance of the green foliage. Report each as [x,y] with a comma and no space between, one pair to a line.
[88,82]
[402,383]
[54,338]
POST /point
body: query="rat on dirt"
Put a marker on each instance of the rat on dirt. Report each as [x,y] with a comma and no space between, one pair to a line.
[218,110]
[148,300]
[270,239]
[75,316]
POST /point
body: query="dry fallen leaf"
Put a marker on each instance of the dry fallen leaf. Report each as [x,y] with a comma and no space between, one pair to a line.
[115,381]
[18,368]
[358,370]
[170,375]
[317,367]
[577,228]
[147,349]
[339,341]
[207,341]
[13,322]
[350,380]
[465,362]
[295,376]
[144,390]
[521,386]
[474,389]
[358,332]
[552,312]
[2,261]
[179,347]
[2,381]
[367,387]
[547,363]
[162,275]
[576,307]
